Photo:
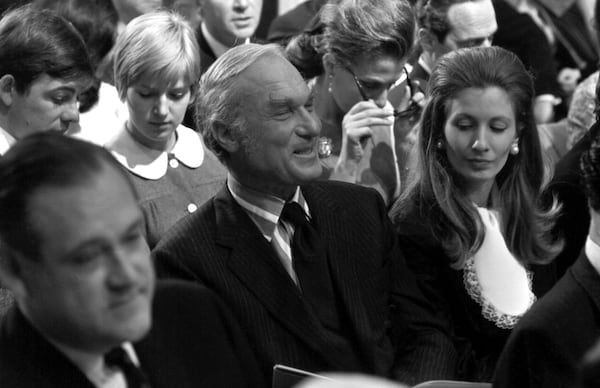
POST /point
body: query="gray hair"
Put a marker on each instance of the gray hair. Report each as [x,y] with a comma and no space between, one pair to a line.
[218,98]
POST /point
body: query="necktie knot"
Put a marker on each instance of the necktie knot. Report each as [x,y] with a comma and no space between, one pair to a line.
[306,243]
[293,213]
[119,358]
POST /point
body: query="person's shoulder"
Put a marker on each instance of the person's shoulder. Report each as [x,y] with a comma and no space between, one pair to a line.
[190,228]
[342,191]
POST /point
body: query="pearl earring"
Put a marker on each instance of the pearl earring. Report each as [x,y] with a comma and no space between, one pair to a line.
[439,144]
[514,149]
[330,83]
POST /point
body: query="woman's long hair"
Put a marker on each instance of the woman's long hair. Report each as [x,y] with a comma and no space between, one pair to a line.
[437,189]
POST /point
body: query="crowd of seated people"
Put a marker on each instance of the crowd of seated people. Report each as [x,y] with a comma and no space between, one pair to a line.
[385,194]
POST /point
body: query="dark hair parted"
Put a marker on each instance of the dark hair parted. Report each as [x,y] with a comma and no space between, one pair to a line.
[35,42]
[590,170]
[41,160]
[437,189]
[351,29]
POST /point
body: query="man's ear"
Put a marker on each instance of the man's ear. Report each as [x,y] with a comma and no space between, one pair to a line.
[227,138]
[11,272]
[427,39]
[7,89]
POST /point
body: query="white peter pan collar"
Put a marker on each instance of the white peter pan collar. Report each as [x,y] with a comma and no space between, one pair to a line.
[153,164]
[495,279]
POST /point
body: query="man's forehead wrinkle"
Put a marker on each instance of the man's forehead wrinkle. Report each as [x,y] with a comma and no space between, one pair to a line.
[472,19]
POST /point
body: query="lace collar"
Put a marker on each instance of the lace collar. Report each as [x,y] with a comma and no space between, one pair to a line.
[152,164]
[495,279]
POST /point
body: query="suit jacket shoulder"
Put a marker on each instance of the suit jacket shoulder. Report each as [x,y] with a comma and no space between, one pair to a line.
[545,348]
[28,360]
[195,342]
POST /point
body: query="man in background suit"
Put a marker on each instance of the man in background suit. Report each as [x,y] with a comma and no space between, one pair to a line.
[225,24]
[309,269]
[87,311]
[546,347]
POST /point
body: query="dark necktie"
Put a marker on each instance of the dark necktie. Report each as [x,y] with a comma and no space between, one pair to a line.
[310,264]
[134,376]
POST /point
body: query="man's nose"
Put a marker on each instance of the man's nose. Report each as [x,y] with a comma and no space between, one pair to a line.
[311,125]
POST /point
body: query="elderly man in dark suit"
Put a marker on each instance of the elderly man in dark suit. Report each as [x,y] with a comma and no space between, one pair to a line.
[546,347]
[309,269]
[87,311]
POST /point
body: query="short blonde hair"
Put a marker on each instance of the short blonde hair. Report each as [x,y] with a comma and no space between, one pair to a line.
[159,43]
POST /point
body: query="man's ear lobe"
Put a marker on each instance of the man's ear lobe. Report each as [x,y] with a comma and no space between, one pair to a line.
[227,138]
[7,89]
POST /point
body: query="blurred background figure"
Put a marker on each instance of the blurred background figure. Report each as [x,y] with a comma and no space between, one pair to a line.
[189,9]
[293,22]
[225,24]
[469,222]
[157,79]
[566,184]
[353,63]
[129,9]
[100,107]
[44,70]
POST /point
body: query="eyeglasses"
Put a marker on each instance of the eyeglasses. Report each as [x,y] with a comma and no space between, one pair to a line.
[413,108]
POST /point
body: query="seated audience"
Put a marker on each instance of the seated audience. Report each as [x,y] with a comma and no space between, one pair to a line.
[470,223]
[306,266]
[546,347]
[518,32]
[157,79]
[88,312]
[44,69]
[361,55]
[443,26]
[566,184]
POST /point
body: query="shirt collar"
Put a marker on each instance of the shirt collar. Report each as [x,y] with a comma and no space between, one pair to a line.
[263,209]
[592,251]
[153,164]
[217,47]
[92,365]
[6,141]
[421,61]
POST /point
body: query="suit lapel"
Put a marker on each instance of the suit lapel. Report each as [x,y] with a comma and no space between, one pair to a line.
[255,264]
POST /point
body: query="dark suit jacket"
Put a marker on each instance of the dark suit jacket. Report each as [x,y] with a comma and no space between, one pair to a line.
[291,23]
[546,346]
[221,247]
[193,343]
[567,186]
